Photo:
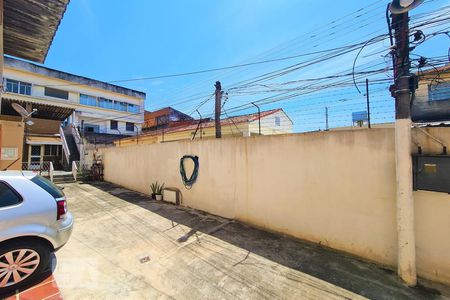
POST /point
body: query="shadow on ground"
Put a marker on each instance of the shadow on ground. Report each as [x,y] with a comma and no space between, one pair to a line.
[343,270]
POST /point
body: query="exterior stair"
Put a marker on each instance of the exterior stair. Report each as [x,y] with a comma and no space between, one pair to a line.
[74,154]
[63,178]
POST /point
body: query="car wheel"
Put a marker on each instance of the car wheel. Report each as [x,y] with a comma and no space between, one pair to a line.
[21,261]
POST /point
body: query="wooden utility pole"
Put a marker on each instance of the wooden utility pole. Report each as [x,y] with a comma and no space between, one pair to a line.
[218,110]
[326,119]
[403,91]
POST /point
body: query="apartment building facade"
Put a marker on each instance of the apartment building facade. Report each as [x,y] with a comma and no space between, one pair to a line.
[66,104]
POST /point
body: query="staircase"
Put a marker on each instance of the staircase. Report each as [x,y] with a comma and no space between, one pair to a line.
[60,177]
[72,145]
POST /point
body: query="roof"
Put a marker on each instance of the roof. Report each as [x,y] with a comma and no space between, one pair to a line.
[436,70]
[30,26]
[211,123]
[80,80]
[44,140]
[54,111]
[228,121]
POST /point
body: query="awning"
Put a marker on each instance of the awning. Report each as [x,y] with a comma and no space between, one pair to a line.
[30,25]
[45,110]
[44,140]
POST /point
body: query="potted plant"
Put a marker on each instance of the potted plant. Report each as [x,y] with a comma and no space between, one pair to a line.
[157,190]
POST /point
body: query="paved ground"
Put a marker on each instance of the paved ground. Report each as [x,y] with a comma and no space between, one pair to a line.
[126,246]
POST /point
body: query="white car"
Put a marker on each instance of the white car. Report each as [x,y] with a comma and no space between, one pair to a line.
[34,222]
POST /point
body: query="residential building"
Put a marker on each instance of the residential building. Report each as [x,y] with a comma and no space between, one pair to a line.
[82,105]
[432,98]
[165,118]
[31,44]
[273,122]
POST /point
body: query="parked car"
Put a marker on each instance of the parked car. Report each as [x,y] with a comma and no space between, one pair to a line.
[34,222]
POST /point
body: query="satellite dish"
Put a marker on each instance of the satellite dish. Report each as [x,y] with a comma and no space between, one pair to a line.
[402,6]
[22,111]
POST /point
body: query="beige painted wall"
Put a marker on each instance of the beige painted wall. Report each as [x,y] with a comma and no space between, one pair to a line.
[336,188]
[11,137]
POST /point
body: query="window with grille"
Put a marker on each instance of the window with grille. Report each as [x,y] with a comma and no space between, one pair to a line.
[51,150]
[114,125]
[130,126]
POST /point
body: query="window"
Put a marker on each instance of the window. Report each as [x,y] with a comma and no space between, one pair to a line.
[18,87]
[133,108]
[440,92]
[130,126]
[8,196]
[277,121]
[114,124]
[48,186]
[51,150]
[88,100]
[105,103]
[120,106]
[55,93]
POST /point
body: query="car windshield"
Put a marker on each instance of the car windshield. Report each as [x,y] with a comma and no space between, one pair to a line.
[48,186]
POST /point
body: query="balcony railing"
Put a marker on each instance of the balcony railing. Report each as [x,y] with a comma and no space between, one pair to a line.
[65,146]
[44,168]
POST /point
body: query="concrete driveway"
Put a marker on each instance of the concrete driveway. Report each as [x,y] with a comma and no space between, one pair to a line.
[126,246]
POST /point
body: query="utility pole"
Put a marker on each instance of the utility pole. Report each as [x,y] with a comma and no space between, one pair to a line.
[259,117]
[368,103]
[326,118]
[219,93]
[403,91]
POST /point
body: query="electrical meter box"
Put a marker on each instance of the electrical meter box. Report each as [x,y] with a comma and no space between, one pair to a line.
[432,173]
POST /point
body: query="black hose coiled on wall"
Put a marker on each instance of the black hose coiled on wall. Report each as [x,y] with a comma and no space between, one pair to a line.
[189,182]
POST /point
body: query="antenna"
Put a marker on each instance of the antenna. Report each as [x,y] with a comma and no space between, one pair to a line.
[22,111]
[402,6]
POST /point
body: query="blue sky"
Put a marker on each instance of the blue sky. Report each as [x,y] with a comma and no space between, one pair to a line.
[113,40]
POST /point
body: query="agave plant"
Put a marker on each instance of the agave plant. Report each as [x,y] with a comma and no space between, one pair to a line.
[156,188]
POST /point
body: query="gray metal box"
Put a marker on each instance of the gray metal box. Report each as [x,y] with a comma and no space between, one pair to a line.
[432,173]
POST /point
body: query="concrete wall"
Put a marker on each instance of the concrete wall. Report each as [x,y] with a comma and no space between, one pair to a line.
[11,136]
[333,188]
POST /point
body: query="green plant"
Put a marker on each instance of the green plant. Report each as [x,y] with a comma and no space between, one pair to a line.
[157,188]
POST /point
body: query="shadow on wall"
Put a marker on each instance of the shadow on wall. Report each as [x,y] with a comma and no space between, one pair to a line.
[351,273]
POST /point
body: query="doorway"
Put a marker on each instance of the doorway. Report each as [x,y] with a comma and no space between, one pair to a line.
[35,157]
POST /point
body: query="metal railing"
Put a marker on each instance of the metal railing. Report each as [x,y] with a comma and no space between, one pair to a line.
[51,170]
[41,168]
[75,167]
[77,138]
[65,146]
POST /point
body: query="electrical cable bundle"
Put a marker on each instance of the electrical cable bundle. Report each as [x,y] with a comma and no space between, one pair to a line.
[189,182]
